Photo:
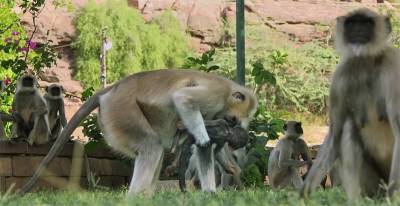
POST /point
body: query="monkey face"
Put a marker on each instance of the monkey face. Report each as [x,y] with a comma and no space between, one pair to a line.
[55,91]
[359,29]
[362,32]
[28,81]
[241,107]
[293,129]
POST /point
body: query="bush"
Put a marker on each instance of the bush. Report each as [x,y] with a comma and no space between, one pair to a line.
[136,45]
[252,177]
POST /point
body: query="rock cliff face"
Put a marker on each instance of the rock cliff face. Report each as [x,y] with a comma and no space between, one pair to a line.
[302,20]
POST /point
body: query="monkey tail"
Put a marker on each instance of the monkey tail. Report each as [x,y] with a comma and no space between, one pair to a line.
[91,104]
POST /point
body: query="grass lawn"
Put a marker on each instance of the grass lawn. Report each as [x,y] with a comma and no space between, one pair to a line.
[229,198]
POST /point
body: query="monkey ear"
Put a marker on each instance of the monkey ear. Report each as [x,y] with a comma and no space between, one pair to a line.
[388,24]
[239,97]
[285,126]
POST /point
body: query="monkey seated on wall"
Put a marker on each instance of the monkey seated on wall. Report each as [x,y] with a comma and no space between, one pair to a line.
[226,135]
[30,110]
[56,115]
[284,159]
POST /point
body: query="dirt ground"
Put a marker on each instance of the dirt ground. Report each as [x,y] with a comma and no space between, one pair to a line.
[313,135]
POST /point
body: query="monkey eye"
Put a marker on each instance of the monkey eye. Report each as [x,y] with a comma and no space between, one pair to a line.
[239,96]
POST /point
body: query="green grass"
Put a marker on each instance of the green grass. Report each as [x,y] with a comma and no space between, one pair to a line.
[230,198]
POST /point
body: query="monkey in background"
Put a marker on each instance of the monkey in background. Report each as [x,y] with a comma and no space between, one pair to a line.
[364,132]
[30,108]
[56,114]
[138,116]
[284,160]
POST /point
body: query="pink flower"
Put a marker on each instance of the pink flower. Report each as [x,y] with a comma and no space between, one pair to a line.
[32,45]
[7,81]
[14,33]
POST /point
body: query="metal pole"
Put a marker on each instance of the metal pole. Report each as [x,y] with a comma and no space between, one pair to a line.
[240,42]
[103,69]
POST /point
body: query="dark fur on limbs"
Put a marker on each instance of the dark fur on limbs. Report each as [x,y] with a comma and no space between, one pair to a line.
[220,132]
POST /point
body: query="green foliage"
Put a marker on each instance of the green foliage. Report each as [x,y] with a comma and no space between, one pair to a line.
[17,50]
[261,75]
[90,125]
[202,63]
[252,177]
[395,20]
[136,45]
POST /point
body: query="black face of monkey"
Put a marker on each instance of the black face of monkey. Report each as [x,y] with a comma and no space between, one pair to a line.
[55,91]
[28,81]
[359,29]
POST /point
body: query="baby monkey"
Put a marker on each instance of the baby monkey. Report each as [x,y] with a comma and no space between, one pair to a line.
[284,160]
[221,132]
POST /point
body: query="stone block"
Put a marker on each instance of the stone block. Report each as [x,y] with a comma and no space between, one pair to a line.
[25,166]
[5,166]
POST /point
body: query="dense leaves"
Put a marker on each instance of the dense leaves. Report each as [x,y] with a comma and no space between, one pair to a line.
[202,63]
[136,44]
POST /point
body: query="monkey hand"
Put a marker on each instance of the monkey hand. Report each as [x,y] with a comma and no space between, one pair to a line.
[203,142]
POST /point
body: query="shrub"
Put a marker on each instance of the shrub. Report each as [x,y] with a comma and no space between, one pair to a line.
[252,177]
[136,45]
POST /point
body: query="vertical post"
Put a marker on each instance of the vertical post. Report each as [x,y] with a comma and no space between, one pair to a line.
[103,69]
[240,42]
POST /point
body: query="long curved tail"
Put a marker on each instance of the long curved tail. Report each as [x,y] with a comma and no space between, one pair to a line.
[91,104]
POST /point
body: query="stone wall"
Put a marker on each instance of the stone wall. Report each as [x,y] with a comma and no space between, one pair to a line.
[18,162]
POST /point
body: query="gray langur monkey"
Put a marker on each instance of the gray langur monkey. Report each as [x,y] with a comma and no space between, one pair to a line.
[364,99]
[284,160]
[56,114]
[224,134]
[227,170]
[31,109]
[138,116]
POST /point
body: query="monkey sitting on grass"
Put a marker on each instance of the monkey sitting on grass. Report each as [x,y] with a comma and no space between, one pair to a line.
[284,160]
